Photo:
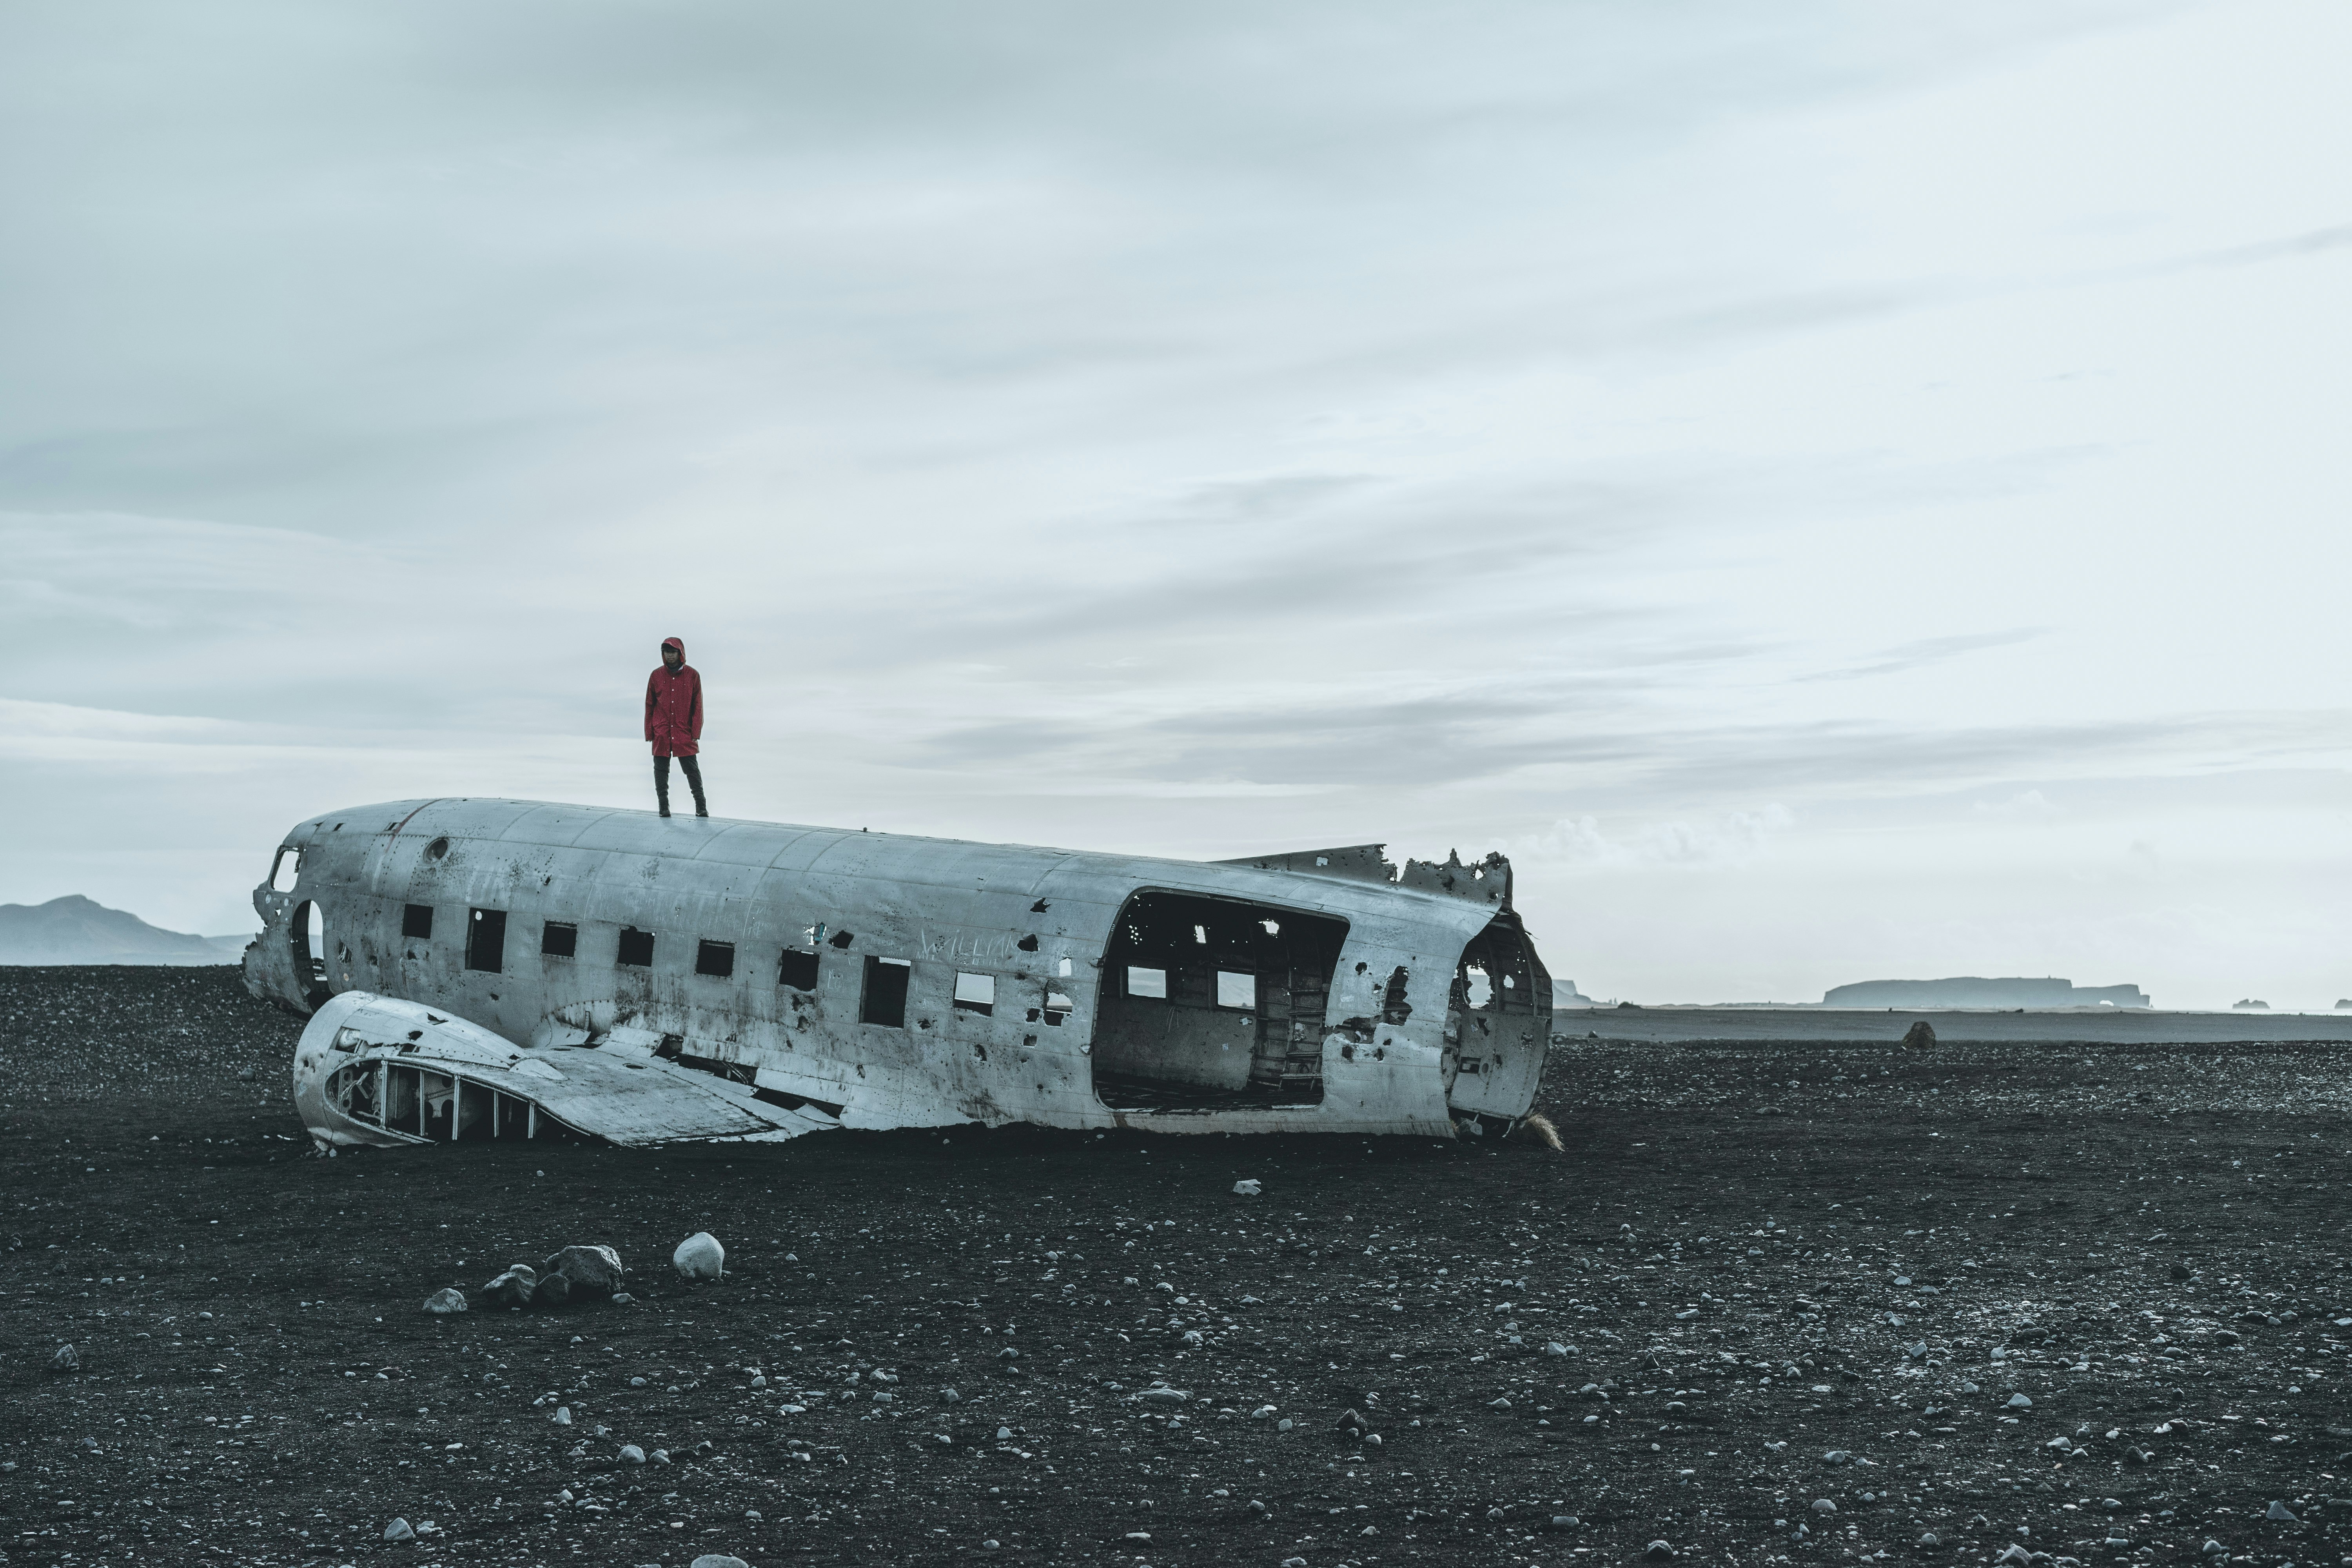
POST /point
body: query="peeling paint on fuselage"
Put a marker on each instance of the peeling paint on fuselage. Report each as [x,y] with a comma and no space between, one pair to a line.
[1042,924]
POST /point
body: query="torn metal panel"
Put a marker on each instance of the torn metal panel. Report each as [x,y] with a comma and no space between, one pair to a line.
[886,981]
[617,1087]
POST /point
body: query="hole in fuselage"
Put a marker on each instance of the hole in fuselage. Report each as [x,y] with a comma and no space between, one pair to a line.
[307,936]
[1211,1002]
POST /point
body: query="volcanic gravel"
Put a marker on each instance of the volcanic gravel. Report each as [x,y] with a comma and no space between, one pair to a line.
[1796,1291]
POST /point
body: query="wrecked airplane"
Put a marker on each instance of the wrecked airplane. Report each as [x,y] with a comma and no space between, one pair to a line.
[510,969]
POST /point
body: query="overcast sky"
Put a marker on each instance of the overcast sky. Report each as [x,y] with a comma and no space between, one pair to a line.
[1834,491]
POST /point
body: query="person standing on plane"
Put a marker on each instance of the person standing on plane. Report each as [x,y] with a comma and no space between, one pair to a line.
[674,723]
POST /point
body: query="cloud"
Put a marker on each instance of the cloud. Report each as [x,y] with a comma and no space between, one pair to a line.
[1928,651]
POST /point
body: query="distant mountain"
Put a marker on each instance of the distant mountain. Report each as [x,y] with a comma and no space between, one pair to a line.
[1970,991]
[75,930]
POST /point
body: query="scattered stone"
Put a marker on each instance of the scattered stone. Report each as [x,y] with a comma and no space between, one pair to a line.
[1919,1034]
[591,1271]
[1823,1505]
[1930,1541]
[448,1299]
[632,1455]
[2015,1556]
[1565,1521]
[1660,1551]
[699,1257]
[2213,1548]
[1164,1395]
[719,1560]
[512,1288]
[2020,1402]
[398,1529]
[2280,1511]
[1837,1456]
[622,1298]
[1249,1187]
[1350,1421]
[564,1415]
[68,1359]
[1255,1506]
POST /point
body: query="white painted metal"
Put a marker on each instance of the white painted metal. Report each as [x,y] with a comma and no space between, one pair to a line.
[1038,920]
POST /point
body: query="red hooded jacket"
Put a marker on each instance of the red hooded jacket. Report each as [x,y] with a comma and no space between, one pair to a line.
[673,706]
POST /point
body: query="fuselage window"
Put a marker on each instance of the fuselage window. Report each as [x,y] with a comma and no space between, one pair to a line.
[1146,981]
[558,939]
[1236,990]
[284,870]
[715,959]
[1057,1007]
[486,940]
[976,993]
[885,999]
[417,921]
[636,948]
[797,970]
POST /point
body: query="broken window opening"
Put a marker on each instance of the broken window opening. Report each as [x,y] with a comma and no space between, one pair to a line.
[356,1091]
[715,959]
[1057,1008]
[1478,990]
[976,993]
[486,940]
[400,1100]
[285,869]
[636,948]
[1064,969]
[884,998]
[558,939]
[1220,1002]
[796,969]
[416,922]
[1394,1007]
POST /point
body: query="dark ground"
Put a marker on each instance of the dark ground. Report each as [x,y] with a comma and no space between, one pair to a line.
[2149,1241]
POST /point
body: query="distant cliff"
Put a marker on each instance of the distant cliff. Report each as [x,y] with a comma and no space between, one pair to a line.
[1970,991]
[75,930]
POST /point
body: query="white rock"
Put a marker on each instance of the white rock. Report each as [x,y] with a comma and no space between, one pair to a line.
[2018,1402]
[448,1299]
[1823,1505]
[1262,1412]
[1005,1433]
[720,1560]
[398,1529]
[699,1257]
[564,1415]
[1163,1396]
[632,1455]
[1556,1348]
[2279,1510]
[1249,1187]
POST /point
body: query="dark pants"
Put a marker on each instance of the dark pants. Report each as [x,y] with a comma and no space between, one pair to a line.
[693,781]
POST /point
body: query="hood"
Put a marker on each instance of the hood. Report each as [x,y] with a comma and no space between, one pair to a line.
[677,643]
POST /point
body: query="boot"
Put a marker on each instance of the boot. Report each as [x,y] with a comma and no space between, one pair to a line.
[694,782]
